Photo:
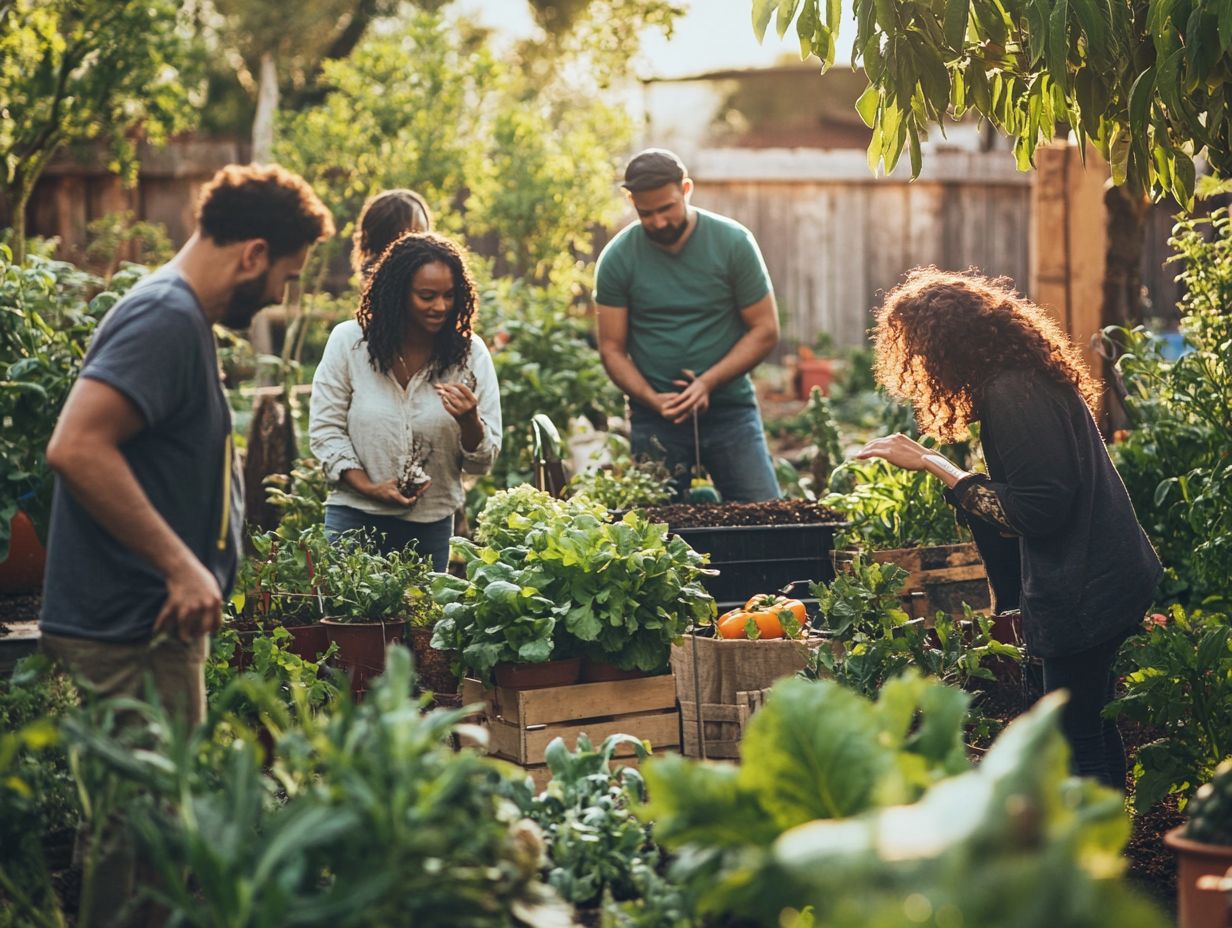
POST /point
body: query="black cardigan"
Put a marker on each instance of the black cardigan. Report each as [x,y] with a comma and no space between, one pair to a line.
[1052,520]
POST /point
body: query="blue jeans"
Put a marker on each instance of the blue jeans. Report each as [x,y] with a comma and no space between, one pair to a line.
[733,450]
[431,539]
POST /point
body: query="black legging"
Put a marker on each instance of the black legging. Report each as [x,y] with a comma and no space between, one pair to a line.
[1095,742]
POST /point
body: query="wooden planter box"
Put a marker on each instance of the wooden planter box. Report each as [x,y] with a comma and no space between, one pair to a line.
[940,578]
[522,723]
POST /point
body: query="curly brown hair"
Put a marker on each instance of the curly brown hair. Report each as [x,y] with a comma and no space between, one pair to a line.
[940,336]
[383,309]
[385,217]
[248,201]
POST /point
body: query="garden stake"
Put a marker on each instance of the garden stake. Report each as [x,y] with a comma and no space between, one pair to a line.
[697,686]
[701,489]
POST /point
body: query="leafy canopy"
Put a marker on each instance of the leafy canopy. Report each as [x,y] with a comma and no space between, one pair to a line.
[1147,82]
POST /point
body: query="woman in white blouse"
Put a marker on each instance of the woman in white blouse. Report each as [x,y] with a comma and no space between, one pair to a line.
[405,400]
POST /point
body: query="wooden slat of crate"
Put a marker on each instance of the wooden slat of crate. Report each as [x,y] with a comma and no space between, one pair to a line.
[527,745]
[727,722]
[523,708]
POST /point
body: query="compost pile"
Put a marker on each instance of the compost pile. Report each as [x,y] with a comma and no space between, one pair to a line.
[770,512]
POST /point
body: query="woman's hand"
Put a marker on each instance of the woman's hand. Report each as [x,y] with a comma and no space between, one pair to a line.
[384,492]
[459,401]
[896,449]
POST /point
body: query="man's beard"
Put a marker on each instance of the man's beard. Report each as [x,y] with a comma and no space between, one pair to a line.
[668,235]
[247,300]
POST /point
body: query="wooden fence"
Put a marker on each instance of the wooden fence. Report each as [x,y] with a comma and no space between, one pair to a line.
[834,237]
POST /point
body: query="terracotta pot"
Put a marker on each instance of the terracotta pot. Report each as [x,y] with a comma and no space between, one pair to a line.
[814,372]
[22,570]
[538,676]
[432,666]
[308,641]
[1198,908]
[361,648]
[596,671]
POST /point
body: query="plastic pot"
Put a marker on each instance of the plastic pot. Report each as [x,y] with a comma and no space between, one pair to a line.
[308,641]
[537,676]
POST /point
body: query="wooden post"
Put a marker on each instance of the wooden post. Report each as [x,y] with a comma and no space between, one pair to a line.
[1069,242]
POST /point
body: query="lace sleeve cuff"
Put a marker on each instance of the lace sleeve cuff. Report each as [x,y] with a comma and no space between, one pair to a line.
[974,495]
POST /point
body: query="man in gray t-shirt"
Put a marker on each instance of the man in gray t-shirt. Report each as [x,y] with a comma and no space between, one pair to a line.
[146,516]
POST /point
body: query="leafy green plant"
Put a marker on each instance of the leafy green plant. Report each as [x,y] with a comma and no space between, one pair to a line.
[890,507]
[361,816]
[114,235]
[1177,460]
[46,319]
[624,483]
[293,678]
[876,641]
[358,584]
[597,850]
[849,813]
[299,496]
[1210,812]
[570,581]
[1178,680]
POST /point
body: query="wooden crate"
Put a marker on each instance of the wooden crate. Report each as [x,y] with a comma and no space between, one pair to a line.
[939,578]
[522,723]
[726,721]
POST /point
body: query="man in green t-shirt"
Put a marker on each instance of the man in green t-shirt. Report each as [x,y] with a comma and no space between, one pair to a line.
[686,310]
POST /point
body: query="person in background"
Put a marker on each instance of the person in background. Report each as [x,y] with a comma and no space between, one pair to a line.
[1052,520]
[405,400]
[385,218]
[686,310]
[148,507]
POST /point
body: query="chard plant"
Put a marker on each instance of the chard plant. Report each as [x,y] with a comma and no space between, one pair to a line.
[857,812]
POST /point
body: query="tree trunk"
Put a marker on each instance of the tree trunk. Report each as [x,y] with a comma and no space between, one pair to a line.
[1127,212]
[267,109]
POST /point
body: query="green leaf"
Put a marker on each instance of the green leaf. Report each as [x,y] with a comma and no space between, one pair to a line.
[956,14]
[813,751]
[1093,26]
[1183,174]
[916,158]
[867,105]
[763,10]
[1225,27]
[786,12]
[1140,95]
[1058,41]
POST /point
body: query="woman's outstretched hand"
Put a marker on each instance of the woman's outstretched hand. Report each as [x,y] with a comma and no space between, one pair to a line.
[896,449]
[459,400]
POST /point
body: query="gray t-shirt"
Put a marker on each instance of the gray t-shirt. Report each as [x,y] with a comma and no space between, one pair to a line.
[156,347]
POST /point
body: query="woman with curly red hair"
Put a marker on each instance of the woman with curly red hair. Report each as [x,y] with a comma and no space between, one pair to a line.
[405,400]
[1051,518]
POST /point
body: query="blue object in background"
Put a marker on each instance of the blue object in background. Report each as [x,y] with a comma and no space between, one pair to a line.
[1172,345]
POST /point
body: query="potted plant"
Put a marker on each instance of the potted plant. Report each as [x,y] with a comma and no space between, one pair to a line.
[366,598]
[283,587]
[46,320]
[901,517]
[562,580]
[1203,847]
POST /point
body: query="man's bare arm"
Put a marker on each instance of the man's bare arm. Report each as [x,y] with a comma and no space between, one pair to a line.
[84,451]
[613,349]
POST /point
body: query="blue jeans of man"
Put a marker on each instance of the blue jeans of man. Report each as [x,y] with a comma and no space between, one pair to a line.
[431,539]
[732,442]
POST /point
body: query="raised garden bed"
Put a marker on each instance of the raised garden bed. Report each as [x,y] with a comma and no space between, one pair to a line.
[756,547]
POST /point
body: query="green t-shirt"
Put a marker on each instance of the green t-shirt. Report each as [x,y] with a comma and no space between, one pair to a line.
[684,309]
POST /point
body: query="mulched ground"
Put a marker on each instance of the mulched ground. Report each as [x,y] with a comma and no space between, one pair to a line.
[771,512]
[23,608]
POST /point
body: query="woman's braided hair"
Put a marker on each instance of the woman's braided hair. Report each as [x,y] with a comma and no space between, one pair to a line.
[941,336]
[384,308]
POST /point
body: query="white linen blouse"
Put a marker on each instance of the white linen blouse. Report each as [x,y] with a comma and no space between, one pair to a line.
[361,418]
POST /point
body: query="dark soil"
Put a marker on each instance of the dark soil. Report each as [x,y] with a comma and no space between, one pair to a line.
[771,512]
[22,608]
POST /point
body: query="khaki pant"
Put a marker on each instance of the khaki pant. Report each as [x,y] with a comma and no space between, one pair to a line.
[177,672]
[106,669]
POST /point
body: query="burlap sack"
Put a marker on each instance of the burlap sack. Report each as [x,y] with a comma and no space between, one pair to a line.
[730,679]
